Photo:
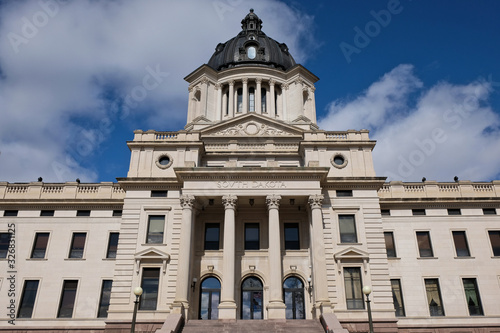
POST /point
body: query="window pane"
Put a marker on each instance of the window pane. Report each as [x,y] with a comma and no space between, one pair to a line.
[461,244]
[252,236]
[10,213]
[251,99]
[389,244]
[347,227]
[112,245]
[239,100]
[344,193]
[353,289]
[28,299]
[156,226]
[83,213]
[385,212]
[117,213]
[104,300]
[40,246]
[418,211]
[4,244]
[292,236]
[149,285]
[397,297]
[434,297]
[472,297]
[424,244]
[495,241]
[47,213]
[212,232]
[77,245]
[489,211]
[159,194]
[263,99]
[454,211]
[67,299]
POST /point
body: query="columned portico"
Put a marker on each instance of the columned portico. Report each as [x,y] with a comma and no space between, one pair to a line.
[276,307]
[227,307]
[320,287]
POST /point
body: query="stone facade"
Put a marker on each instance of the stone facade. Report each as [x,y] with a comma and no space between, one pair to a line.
[254,212]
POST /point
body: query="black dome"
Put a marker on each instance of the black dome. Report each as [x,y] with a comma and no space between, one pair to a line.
[251,47]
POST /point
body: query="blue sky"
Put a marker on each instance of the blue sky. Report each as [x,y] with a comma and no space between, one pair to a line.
[422,76]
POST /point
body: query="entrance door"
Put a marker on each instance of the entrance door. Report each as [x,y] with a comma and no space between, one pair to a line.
[251,299]
[209,299]
[293,290]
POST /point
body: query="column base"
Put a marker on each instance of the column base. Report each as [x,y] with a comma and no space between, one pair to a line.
[227,310]
[276,310]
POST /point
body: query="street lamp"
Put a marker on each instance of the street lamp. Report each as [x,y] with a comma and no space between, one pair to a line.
[367,290]
[137,293]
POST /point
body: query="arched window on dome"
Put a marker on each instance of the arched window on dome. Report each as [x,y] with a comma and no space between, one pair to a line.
[263,94]
[251,99]
[239,100]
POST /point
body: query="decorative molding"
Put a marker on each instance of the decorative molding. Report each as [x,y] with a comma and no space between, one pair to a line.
[252,128]
[229,201]
[315,201]
[273,201]
[151,254]
[339,166]
[187,201]
[164,166]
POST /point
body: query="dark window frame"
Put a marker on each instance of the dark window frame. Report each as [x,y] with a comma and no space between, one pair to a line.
[345,236]
[10,212]
[400,311]
[474,310]
[77,252]
[47,212]
[83,213]
[418,212]
[117,213]
[28,299]
[105,296]
[159,193]
[211,244]
[391,252]
[489,211]
[495,242]
[385,212]
[68,295]
[462,251]
[151,236]
[150,301]
[421,251]
[454,211]
[37,245]
[291,244]
[252,244]
[435,310]
[4,245]
[343,193]
[354,303]
[112,245]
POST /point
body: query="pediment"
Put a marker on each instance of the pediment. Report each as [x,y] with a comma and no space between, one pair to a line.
[251,125]
[351,253]
[151,255]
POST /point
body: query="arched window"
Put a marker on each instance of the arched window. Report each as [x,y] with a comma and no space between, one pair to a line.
[251,99]
[251,299]
[209,298]
[293,294]
[239,100]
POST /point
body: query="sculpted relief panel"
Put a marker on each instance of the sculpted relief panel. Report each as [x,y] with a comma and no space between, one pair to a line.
[252,128]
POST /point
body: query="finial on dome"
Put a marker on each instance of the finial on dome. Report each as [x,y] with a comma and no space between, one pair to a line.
[251,10]
[251,22]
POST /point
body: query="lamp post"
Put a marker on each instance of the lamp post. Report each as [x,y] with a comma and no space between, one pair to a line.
[367,291]
[137,293]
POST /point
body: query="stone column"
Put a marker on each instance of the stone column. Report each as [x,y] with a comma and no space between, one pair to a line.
[191,105]
[204,97]
[231,99]
[284,96]
[270,100]
[321,301]
[218,108]
[183,267]
[227,307]
[258,96]
[245,95]
[276,307]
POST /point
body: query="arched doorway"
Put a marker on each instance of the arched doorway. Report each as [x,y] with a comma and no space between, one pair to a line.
[209,298]
[251,299]
[293,294]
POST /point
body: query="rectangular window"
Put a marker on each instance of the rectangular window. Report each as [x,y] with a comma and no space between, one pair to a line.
[149,285]
[117,212]
[159,194]
[434,297]
[353,289]
[344,193]
[292,241]
[68,297]
[10,213]
[460,240]
[263,99]
[495,241]
[397,297]
[156,226]
[385,212]
[83,213]
[104,299]
[112,245]
[4,244]
[424,244]
[40,245]
[239,100]
[251,100]
[28,298]
[418,211]
[454,211]
[212,235]
[489,211]
[252,239]
[472,297]
[77,245]
[389,244]
[47,213]
[347,227]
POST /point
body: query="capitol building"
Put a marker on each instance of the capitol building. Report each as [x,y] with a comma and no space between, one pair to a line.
[250,215]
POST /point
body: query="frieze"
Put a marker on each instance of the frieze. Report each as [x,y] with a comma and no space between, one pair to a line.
[252,129]
[250,184]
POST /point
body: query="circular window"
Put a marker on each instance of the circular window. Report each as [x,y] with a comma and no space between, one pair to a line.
[251,52]
[339,161]
[164,161]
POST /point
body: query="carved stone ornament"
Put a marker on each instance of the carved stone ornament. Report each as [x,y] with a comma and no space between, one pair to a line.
[273,201]
[315,201]
[187,201]
[229,201]
[251,129]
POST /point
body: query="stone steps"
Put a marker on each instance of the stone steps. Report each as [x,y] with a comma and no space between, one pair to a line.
[251,326]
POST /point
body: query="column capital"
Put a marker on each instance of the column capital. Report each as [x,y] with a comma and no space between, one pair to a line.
[273,201]
[217,86]
[272,82]
[258,80]
[229,201]
[231,83]
[244,80]
[315,201]
[187,201]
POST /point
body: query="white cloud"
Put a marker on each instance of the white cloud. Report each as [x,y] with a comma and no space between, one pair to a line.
[65,67]
[439,132]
